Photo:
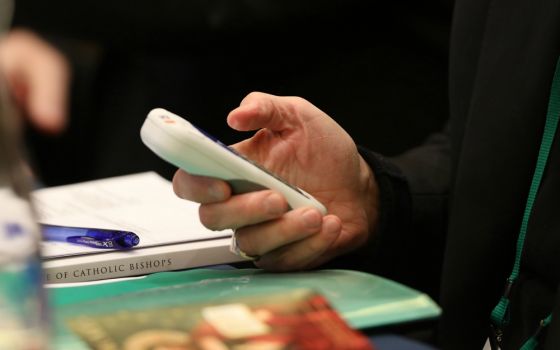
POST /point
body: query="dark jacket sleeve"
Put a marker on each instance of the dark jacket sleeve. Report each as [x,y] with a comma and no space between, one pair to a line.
[427,170]
[413,191]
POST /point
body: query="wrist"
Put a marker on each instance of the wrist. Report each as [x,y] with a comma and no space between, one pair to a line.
[370,198]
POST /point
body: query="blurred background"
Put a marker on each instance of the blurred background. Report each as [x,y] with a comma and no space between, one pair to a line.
[379,69]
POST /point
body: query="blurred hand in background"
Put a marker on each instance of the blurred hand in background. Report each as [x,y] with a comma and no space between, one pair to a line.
[38,76]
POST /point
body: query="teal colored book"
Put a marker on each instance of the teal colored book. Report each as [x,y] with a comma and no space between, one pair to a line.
[361,300]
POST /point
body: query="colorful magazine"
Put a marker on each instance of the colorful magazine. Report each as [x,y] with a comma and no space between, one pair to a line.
[300,319]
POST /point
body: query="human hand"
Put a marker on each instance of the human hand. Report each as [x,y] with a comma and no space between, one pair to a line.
[38,78]
[303,145]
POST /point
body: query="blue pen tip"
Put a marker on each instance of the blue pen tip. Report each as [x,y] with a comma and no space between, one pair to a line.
[130,240]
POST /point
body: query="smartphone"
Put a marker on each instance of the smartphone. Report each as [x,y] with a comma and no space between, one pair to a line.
[187,147]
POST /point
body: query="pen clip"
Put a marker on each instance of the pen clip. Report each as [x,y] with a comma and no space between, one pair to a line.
[93,242]
[116,240]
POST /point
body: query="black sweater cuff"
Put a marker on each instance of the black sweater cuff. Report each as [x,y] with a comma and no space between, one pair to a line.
[395,209]
[381,254]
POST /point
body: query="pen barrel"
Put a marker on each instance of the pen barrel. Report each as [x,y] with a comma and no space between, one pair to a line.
[61,233]
[91,237]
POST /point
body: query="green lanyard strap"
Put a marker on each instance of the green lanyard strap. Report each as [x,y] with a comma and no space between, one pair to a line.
[500,314]
[532,342]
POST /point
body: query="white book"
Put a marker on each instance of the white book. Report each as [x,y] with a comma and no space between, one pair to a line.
[136,262]
[171,235]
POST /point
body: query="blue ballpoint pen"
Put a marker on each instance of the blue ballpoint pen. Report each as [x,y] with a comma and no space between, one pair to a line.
[91,237]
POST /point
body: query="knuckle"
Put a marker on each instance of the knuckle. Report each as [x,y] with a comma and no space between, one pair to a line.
[251,96]
[297,103]
[254,94]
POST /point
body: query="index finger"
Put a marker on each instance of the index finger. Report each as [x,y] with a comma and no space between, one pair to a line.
[200,189]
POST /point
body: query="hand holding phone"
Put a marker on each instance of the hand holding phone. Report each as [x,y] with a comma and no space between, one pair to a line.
[182,144]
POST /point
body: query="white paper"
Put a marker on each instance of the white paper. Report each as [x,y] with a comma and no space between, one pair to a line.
[142,203]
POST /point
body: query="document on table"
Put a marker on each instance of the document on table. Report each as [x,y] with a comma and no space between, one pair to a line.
[142,203]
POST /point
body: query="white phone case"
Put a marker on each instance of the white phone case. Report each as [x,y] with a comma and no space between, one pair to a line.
[180,143]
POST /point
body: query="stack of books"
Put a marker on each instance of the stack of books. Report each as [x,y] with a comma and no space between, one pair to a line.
[171,235]
[195,308]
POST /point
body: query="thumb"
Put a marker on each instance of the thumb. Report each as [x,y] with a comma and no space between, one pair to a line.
[259,110]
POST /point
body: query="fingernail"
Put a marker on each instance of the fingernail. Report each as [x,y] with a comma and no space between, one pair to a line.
[216,191]
[234,123]
[331,225]
[273,204]
[311,218]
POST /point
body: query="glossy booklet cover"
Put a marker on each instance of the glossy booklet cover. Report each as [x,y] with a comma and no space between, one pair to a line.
[299,319]
[362,300]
